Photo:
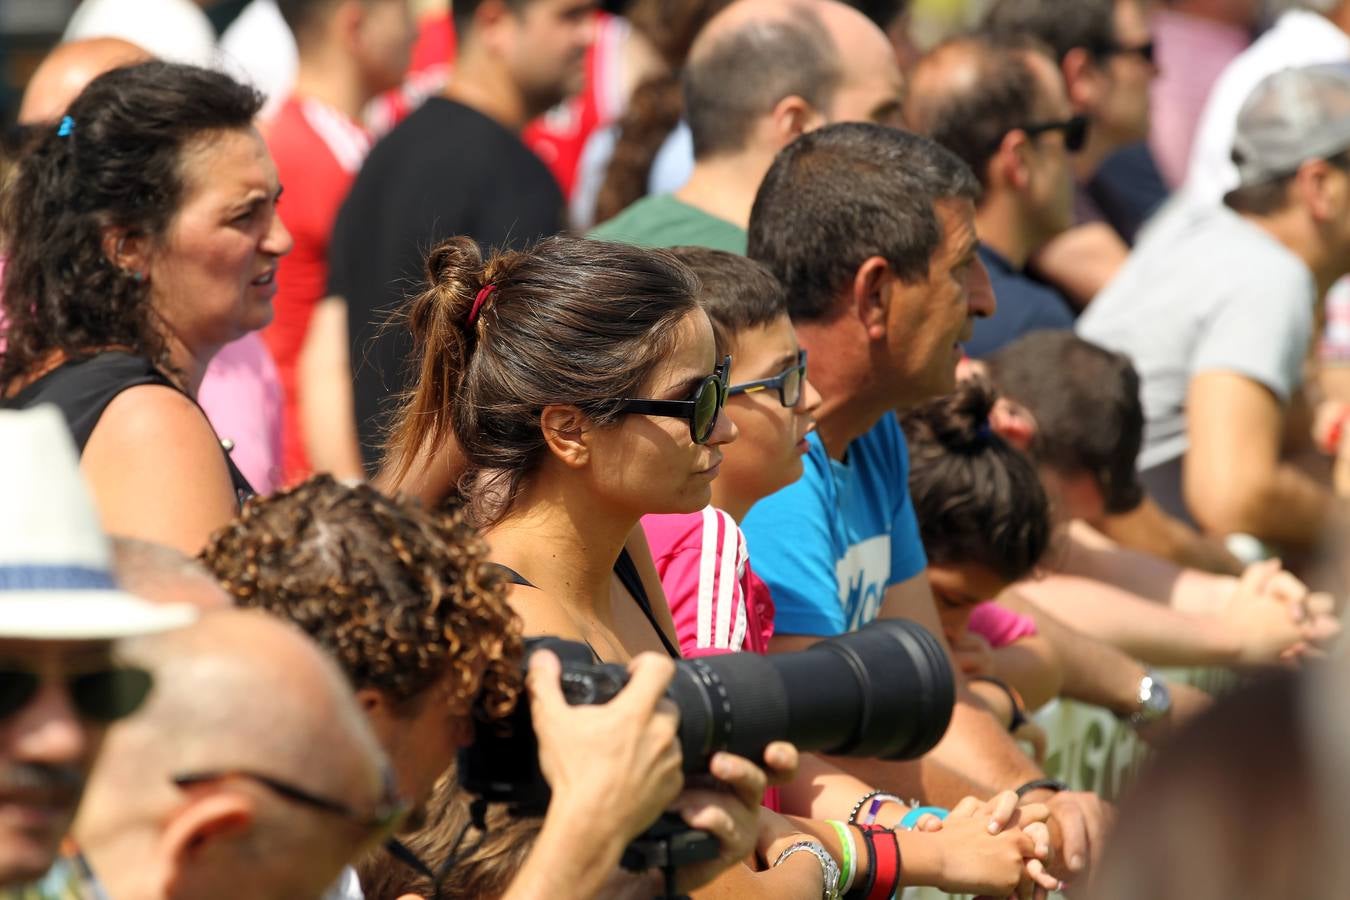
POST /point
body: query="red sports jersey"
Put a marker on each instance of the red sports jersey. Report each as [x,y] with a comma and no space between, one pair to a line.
[318,151]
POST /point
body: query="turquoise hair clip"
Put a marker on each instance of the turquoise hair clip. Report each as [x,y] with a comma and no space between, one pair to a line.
[66,128]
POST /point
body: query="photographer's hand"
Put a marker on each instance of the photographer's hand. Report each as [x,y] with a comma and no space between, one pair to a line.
[613,768]
[732,817]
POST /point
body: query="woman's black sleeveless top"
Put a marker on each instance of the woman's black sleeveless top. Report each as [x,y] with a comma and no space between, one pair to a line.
[83,388]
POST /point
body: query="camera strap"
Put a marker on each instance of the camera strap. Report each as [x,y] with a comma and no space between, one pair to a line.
[401,852]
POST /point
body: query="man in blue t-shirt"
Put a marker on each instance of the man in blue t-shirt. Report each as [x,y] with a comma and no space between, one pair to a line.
[872,232]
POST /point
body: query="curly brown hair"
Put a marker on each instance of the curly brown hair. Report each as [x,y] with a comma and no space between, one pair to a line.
[400,595]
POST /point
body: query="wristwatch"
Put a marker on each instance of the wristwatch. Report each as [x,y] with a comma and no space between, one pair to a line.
[1155,701]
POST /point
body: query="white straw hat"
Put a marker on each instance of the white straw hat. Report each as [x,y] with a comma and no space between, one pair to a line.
[56,580]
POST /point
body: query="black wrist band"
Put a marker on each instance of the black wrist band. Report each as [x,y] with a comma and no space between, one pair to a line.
[1019,715]
[1042,784]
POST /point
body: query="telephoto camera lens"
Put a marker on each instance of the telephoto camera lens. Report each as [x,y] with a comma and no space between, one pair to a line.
[885,691]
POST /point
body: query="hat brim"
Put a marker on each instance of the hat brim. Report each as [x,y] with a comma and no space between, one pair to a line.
[86,615]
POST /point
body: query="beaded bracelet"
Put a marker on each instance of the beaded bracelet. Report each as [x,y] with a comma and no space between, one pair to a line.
[878,800]
[849,850]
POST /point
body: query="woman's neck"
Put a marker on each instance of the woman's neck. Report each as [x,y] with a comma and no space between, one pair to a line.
[188,364]
[563,543]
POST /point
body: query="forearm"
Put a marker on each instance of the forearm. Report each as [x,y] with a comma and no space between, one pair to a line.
[324,388]
[1147,631]
[1149,529]
[823,790]
[1033,667]
[798,878]
[1093,671]
[573,858]
[1285,507]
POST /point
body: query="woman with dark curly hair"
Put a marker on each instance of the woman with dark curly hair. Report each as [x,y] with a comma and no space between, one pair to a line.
[404,598]
[141,237]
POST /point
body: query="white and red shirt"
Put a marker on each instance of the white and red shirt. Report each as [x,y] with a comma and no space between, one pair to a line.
[718,603]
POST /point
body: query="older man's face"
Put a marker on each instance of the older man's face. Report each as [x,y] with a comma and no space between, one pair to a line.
[46,750]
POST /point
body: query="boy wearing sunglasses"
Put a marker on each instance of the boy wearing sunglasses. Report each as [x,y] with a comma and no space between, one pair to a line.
[60,613]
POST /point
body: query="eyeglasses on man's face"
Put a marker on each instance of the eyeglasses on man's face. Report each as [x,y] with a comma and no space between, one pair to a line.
[701,410]
[787,383]
[388,812]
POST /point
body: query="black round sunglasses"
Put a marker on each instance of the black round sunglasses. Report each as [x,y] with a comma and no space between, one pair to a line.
[701,411]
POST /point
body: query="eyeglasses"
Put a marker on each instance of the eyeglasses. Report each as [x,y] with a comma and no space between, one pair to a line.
[702,411]
[104,695]
[1075,131]
[788,383]
[390,809]
[1147,50]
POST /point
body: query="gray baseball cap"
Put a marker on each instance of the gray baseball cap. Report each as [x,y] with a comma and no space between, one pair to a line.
[1291,117]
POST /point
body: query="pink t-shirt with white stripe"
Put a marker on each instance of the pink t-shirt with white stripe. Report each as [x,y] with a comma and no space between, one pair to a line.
[718,603]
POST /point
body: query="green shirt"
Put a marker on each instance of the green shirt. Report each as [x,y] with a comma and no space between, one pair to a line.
[662,221]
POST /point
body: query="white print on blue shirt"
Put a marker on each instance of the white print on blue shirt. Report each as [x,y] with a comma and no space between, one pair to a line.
[862,576]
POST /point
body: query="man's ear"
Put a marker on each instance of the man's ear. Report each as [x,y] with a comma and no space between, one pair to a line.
[567,434]
[198,830]
[1008,165]
[1082,78]
[792,117]
[346,21]
[1013,422]
[378,710]
[869,296]
[491,21]
[1322,192]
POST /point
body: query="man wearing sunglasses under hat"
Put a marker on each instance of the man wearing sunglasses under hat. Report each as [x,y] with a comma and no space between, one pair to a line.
[60,613]
[1000,105]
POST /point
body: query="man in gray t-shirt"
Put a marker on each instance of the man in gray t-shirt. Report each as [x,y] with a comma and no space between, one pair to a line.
[1217,307]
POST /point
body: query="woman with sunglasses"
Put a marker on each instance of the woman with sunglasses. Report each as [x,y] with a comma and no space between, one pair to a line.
[576,386]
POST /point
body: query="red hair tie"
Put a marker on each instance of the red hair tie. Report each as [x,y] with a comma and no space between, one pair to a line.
[483,294]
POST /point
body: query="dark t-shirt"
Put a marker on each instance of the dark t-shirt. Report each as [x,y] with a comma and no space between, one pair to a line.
[446,170]
[1024,305]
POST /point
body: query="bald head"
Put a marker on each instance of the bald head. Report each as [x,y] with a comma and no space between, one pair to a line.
[65,71]
[163,574]
[814,61]
[240,691]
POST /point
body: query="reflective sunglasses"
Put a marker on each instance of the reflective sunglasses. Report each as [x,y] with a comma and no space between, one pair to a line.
[1075,131]
[104,695]
[702,411]
[389,811]
[788,383]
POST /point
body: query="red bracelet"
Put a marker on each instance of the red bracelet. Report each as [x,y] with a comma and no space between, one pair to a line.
[1331,443]
[886,852]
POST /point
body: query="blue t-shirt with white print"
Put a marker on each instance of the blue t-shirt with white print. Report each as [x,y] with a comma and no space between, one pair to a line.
[829,545]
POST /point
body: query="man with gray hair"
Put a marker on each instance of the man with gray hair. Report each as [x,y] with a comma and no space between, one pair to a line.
[1218,307]
[250,772]
[761,73]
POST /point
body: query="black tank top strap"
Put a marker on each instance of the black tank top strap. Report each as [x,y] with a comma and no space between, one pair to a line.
[627,570]
[511,575]
[83,388]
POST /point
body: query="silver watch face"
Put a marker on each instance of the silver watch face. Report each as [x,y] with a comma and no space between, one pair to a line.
[1155,701]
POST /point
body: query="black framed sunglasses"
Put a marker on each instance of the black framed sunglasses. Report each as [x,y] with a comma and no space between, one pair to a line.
[103,695]
[701,411]
[1075,131]
[1148,51]
[388,812]
[788,383]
